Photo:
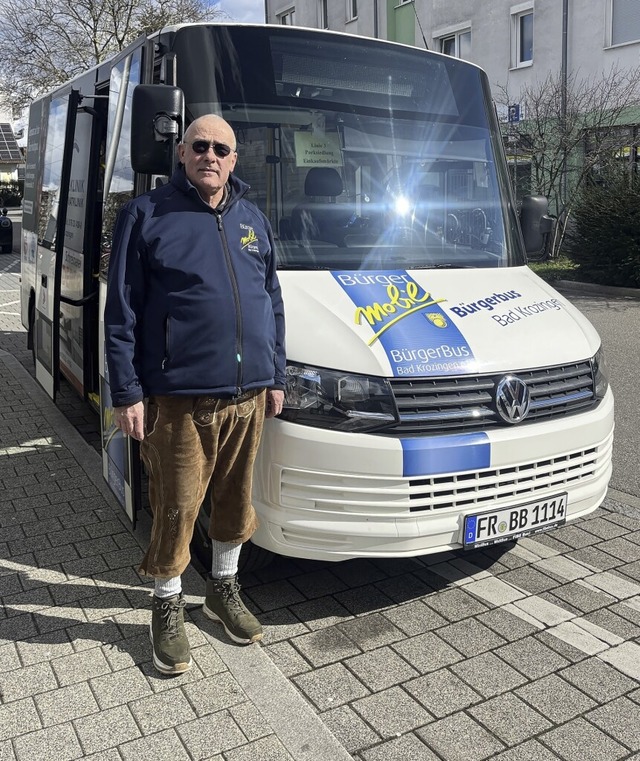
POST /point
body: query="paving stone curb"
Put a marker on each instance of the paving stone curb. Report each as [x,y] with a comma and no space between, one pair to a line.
[282,707]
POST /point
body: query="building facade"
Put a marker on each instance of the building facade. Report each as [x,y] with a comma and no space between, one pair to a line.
[516,43]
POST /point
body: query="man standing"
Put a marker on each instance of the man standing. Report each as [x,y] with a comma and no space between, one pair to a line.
[194,336]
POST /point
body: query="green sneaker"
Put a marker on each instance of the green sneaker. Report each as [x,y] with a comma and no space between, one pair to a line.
[223,604]
[171,651]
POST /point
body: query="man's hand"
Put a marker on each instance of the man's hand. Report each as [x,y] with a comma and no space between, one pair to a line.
[130,420]
[275,402]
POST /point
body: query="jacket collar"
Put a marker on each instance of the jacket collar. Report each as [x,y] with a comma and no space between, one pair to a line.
[237,188]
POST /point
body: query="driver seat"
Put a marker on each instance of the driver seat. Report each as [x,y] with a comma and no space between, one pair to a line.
[320,217]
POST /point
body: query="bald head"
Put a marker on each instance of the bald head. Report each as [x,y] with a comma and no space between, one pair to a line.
[210,121]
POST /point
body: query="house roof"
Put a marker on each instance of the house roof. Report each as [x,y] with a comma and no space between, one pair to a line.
[9,151]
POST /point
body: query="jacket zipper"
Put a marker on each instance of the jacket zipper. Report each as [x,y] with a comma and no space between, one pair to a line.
[167,343]
[236,298]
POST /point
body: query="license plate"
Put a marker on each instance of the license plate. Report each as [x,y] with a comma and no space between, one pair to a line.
[514,522]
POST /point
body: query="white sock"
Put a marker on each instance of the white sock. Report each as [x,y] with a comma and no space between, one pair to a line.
[224,558]
[164,588]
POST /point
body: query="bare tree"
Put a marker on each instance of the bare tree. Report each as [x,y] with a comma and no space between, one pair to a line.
[569,129]
[43,43]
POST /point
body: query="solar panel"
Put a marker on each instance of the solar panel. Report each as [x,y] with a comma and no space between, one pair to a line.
[9,150]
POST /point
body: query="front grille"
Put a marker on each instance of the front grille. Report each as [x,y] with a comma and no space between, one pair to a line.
[515,484]
[393,498]
[467,403]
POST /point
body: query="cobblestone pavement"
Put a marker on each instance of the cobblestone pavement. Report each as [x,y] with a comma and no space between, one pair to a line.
[526,651]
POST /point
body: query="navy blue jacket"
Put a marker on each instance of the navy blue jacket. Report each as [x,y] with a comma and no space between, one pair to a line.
[193,300]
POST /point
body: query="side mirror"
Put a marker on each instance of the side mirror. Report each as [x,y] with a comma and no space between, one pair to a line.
[536,223]
[4,211]
[157,121]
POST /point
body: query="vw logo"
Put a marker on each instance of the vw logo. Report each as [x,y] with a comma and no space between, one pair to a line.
[512,399]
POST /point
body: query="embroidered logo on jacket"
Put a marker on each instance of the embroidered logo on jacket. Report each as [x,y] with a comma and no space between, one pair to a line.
[250,240]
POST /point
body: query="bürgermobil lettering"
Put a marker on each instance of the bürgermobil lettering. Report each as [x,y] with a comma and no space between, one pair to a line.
[488,303]
[377,311]
[401,303]
[359,278]
[518,313]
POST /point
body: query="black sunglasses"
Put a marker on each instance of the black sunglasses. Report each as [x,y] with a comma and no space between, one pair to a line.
[222,150]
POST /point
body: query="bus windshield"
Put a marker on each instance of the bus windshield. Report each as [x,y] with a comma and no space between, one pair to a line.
[363,154]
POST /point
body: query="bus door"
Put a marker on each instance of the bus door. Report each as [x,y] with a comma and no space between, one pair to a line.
[58,153]
[79,278]
[120,455]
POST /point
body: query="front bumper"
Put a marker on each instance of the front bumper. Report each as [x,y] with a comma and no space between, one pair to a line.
[326,495]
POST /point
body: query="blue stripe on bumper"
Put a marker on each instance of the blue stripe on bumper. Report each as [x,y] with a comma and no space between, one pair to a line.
[445,454]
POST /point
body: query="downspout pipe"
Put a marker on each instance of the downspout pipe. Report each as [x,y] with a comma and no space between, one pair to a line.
[564,77]
[565,38]
[375,19]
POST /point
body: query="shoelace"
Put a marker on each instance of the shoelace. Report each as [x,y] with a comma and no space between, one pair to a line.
[230,592]
[170,612]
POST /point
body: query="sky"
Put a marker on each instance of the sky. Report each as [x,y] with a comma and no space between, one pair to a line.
[242,10]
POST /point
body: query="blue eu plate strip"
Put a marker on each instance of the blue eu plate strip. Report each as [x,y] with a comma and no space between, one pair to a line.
[470,529]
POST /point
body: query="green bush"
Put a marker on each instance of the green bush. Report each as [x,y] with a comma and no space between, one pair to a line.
[556,269]
[604,240]
[10,194]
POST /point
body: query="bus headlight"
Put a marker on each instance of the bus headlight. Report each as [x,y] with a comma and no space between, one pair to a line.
[341,401]
[600,374]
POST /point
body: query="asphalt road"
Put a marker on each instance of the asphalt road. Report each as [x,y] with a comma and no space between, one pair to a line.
[617,320]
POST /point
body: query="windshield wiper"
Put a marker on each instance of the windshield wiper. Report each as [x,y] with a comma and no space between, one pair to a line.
[450,266]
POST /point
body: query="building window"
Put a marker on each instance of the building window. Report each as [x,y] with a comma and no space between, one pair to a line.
[457,45]
[625,21]
[323,15]
[352,10]
[521,36]
[288,17]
